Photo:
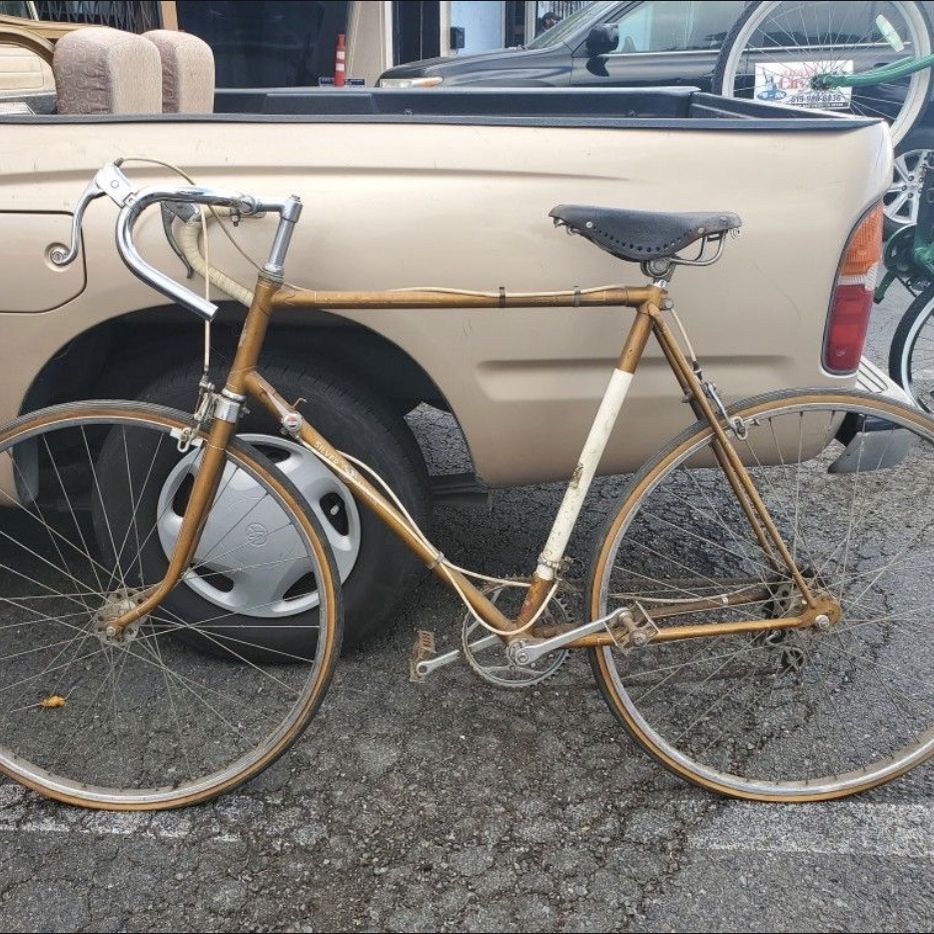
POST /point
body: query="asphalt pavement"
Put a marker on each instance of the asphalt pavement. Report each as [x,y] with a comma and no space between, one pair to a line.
[451,806]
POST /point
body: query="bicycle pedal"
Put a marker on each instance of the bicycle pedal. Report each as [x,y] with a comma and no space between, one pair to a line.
[424,648]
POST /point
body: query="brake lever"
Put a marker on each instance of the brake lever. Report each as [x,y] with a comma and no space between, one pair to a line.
[186,212]
[109,181]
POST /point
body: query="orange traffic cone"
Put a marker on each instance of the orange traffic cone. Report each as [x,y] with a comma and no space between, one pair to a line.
[340,63]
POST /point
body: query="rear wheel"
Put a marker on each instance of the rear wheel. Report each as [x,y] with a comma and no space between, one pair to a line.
[777,46]
[142,718]
[782,714]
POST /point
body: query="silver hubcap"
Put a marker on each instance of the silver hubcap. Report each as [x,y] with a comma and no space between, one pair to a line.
[239,561]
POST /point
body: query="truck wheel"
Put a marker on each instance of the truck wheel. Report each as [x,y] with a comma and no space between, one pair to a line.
[375,569]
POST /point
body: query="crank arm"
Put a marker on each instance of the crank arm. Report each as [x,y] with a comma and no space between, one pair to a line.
[428,665]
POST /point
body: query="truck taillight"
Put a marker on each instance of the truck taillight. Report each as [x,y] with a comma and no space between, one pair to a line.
[852,295]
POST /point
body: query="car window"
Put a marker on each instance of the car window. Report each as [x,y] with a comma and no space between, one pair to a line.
[569,25]
[677,25]
[9,8]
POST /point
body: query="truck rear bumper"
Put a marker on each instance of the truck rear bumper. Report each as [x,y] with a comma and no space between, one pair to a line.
[871,443]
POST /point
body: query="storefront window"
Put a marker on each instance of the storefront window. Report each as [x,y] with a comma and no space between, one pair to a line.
[267,43]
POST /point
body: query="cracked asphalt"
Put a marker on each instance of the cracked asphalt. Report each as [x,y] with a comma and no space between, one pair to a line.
[450,806]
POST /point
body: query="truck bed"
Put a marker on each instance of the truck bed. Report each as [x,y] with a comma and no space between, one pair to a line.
[593,107]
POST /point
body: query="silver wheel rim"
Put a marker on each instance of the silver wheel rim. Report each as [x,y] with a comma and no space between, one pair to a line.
[268,583]
[903,198]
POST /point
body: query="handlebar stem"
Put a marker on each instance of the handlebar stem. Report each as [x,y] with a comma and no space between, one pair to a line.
[289,215]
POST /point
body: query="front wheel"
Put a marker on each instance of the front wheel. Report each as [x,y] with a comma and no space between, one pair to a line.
[146,718]
[781,714]
[911,356]
[777,46]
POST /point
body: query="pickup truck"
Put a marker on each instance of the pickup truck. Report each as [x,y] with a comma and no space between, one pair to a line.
[450,188]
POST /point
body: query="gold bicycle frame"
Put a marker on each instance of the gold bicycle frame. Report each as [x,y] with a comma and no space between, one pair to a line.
[245,381]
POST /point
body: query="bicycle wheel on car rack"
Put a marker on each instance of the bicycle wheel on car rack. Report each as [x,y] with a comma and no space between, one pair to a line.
[147,718]
[784,714]
[777,46]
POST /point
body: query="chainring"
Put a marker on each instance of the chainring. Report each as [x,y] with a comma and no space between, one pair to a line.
[491,663]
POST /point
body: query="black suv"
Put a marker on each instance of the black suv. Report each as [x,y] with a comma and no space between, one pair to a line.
[608,43]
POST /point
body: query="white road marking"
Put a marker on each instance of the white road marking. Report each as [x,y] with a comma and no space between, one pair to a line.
[15,817]
[858,828]
[834,828]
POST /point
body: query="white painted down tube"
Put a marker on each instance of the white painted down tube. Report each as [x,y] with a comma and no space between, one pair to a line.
[583,475]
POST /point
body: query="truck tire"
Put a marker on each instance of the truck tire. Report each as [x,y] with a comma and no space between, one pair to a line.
[376,570]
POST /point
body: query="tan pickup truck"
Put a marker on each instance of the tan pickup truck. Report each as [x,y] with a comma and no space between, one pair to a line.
[448,188]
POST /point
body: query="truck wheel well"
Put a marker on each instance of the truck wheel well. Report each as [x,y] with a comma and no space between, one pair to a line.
[117,358]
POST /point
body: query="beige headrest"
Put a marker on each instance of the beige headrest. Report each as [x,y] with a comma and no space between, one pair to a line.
[101,70]
[187,71]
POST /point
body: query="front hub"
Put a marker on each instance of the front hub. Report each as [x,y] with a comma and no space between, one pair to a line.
[116,605]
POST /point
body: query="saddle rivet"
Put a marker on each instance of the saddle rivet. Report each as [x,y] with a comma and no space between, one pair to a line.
[589,225]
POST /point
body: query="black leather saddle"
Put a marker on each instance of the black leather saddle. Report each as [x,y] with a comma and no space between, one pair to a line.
[642,235]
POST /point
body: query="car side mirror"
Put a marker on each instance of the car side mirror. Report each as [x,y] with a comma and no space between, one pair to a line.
[602,39]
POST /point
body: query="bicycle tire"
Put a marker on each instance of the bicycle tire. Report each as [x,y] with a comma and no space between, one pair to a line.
[903,367]
[141,720]
[902,117]
[734,714]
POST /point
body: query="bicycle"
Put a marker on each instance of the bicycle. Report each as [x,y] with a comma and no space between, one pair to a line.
[748,616]
[827,55]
